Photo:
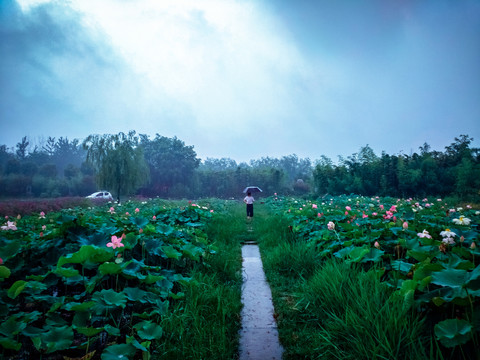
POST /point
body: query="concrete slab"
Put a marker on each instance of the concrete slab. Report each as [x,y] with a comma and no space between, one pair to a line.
[259,335]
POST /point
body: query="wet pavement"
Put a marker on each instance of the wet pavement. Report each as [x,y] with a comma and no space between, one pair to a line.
[259,335]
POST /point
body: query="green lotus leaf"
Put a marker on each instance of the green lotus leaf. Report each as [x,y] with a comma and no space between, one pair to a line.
[12,326]
[87,253]
[374,255]
[11,344]
[171,252]
[453,332]
[401,266]
[119,352]
[140,221]
[424,270]
[57,338]
[16,288]
[108,299]
[143,346]
[74,306]
[10,249]
[89,331]
[110,268]
[112,330]
[191,251]
[135,294]
[165,229]
[150,279]
[148,330]
[4,272]
[66,272]
[450,277]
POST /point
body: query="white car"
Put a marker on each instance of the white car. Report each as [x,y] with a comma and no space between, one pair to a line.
[104,195]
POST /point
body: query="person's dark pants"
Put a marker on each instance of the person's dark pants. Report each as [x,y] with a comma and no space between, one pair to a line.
[250,210]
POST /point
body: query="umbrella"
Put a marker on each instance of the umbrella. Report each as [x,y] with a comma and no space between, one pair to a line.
[252,189]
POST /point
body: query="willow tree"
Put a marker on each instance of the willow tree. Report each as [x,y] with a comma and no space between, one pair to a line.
[118,162]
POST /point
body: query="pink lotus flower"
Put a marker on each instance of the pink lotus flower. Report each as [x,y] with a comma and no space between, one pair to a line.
[140,231]
[319,215]
[346,212]
[116,242]
[154,218]
[275,194]
[41,234]
[348,208]
[364,216]
[42,215]
[1,261]
[127,213]
[111,210]
[405,225]
[211,210]
[44,227]
[331,225]
[10,226]
[314,206]
[381,207]
[137,210]
[374,214]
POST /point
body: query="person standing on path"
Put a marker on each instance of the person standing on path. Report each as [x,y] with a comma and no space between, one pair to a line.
[249,201]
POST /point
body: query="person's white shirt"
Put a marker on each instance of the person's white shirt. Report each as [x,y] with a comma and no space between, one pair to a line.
[249,200]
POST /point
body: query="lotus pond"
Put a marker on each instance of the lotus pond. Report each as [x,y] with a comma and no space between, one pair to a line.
[425,251]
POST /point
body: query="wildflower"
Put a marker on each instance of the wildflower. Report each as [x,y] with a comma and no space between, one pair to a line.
[42,215]
[377,245]
[10,226]
[116,242]
[348,208]
[473,246]
[331,225]
[424,234]
[405,225]
[447,233]
[462,221]
[111,210]
[314,206]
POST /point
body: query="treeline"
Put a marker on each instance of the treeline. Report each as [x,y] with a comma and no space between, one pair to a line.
[131,164]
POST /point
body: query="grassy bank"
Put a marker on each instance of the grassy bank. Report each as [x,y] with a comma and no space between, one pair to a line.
[331,309]
[206,324]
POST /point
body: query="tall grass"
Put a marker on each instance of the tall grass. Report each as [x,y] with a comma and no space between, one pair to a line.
[205,325]
[331,309]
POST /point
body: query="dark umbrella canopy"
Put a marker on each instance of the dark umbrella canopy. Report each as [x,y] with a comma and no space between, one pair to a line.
[252,189]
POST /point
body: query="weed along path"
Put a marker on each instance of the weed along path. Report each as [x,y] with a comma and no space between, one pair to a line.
[259,335]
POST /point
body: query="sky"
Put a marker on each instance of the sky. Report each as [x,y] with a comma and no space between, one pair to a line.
[244,79]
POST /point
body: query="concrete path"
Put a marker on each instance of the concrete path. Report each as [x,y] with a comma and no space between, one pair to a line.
[259,336]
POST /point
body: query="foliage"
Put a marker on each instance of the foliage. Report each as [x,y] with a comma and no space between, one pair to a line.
[423,253]
[67,292]
[118,161]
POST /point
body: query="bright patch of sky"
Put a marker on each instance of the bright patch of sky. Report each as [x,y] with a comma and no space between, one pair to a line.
[244,78]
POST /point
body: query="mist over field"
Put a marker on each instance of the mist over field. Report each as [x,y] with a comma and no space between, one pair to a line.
[243,79]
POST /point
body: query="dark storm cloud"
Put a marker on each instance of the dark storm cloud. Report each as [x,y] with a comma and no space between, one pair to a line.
[51,69]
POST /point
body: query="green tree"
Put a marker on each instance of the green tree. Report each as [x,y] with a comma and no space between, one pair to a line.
[172,165]
[118,162]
